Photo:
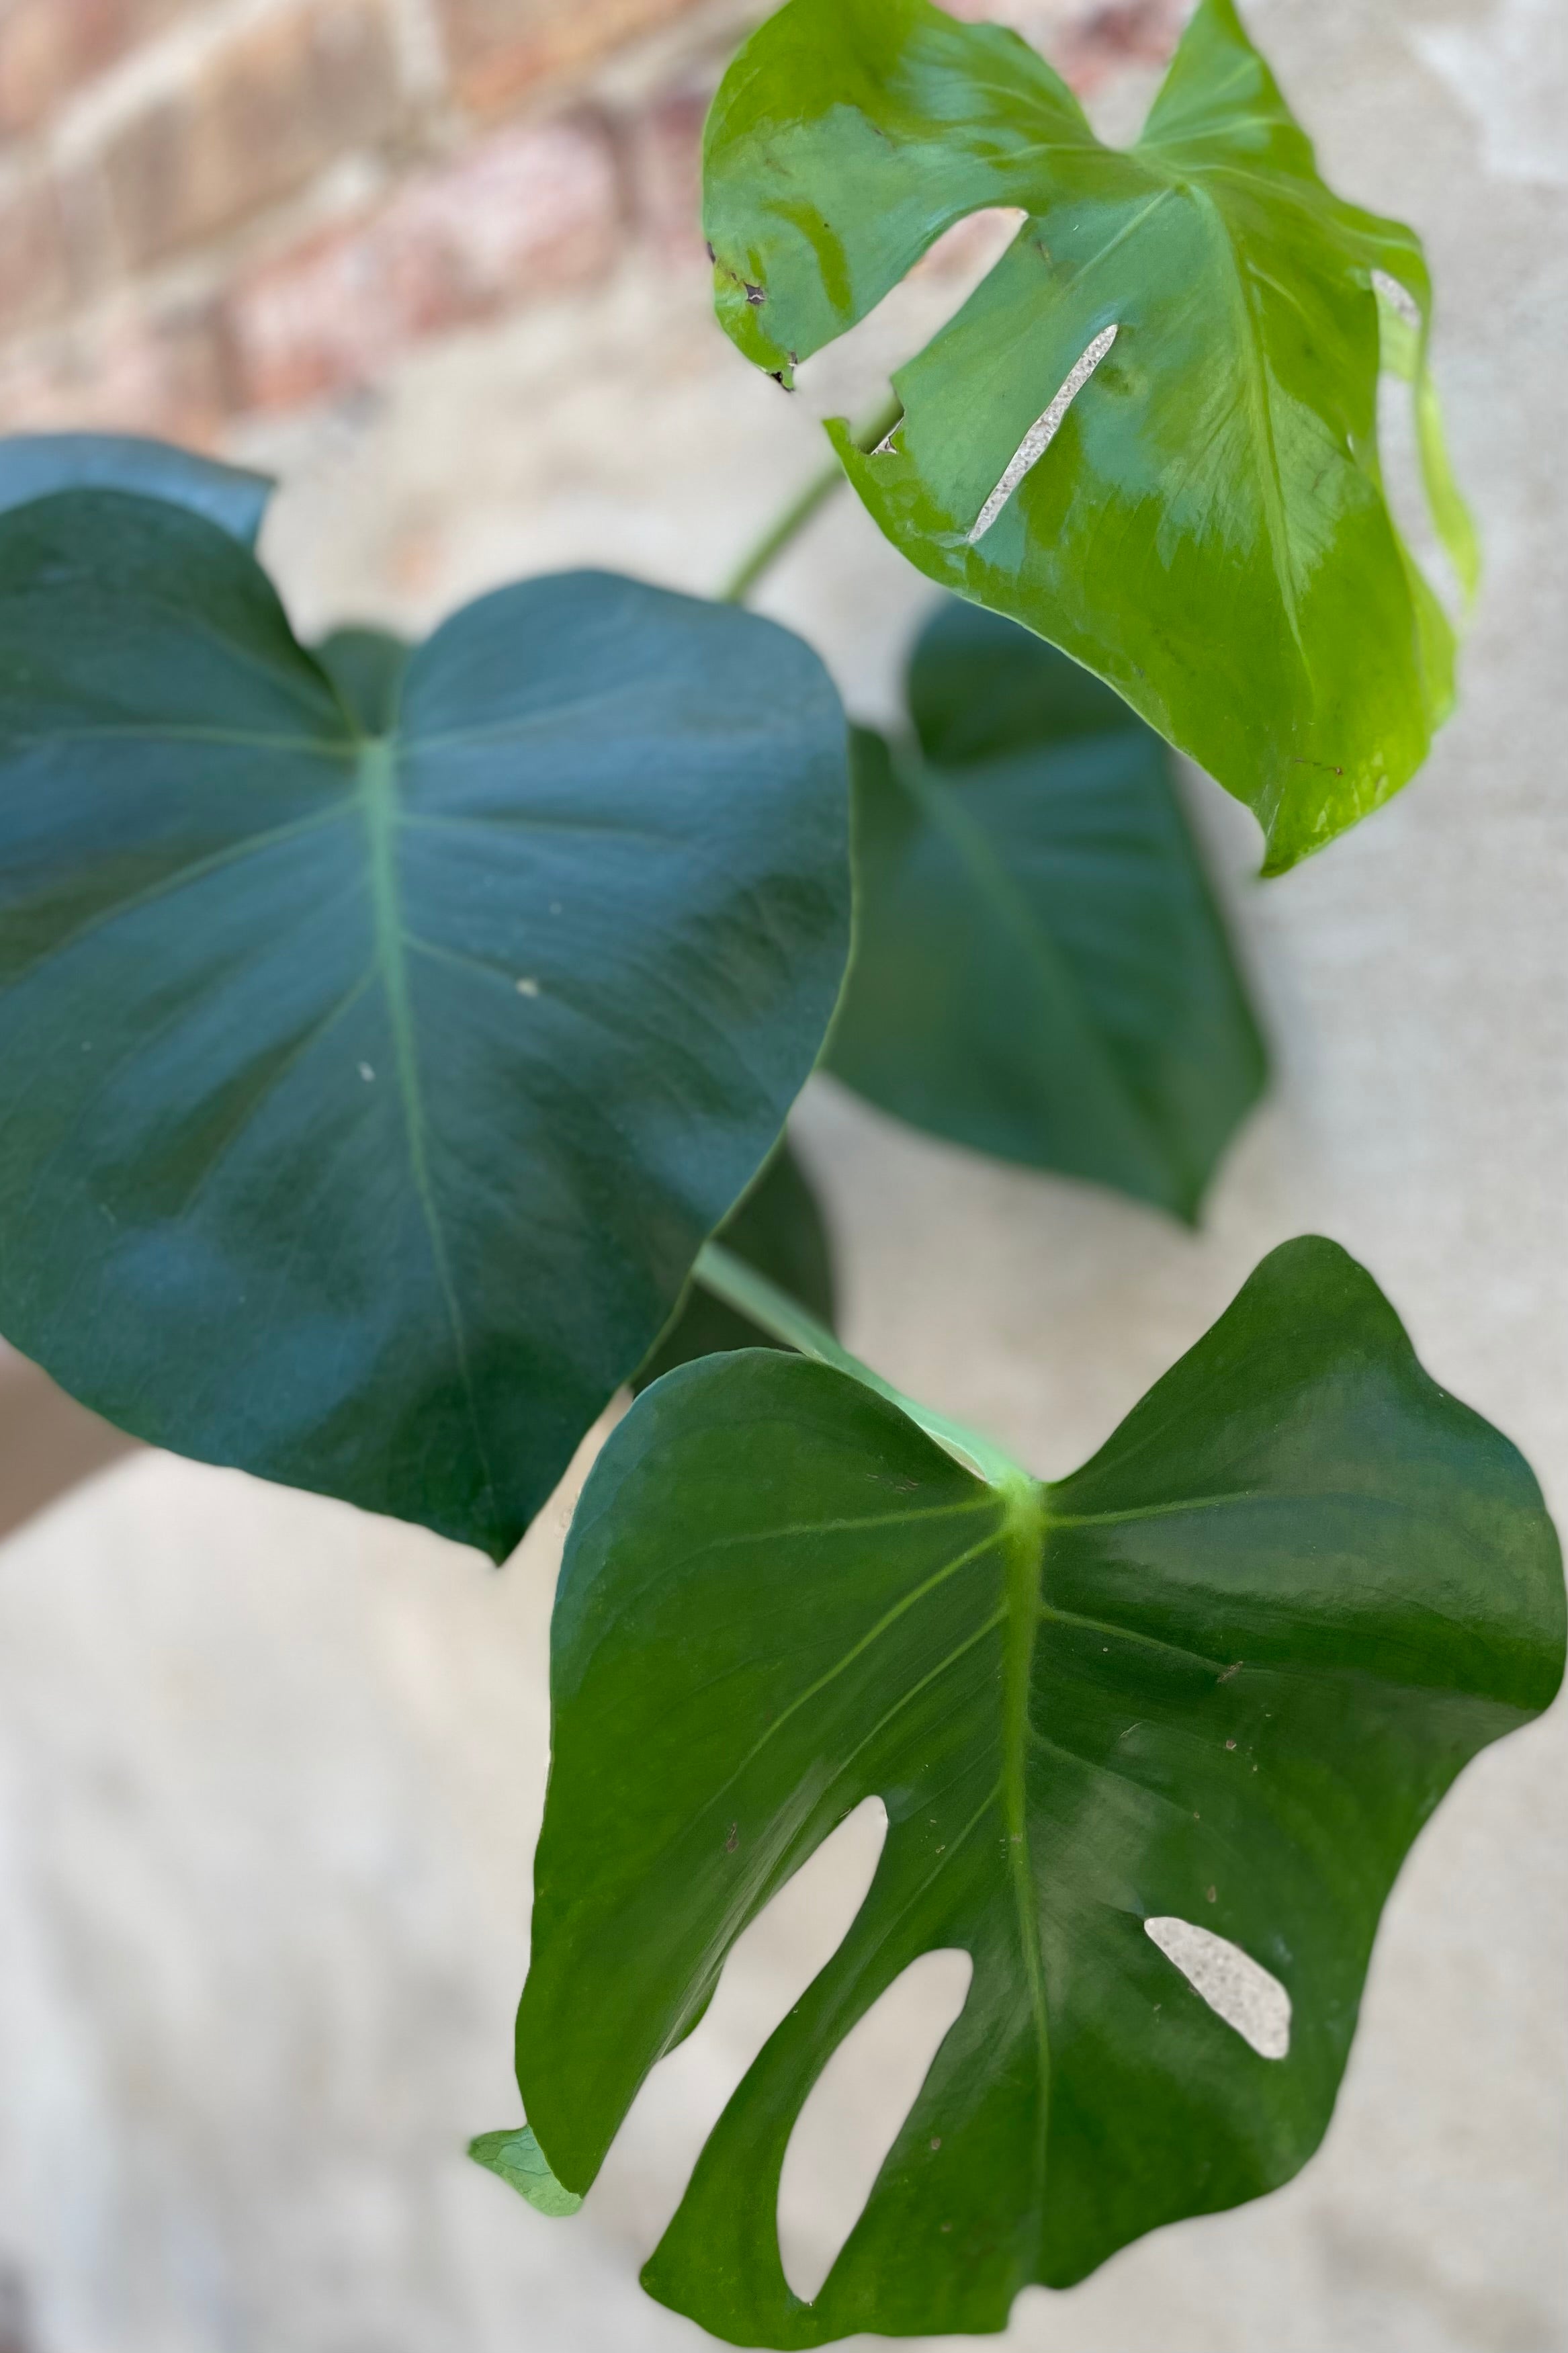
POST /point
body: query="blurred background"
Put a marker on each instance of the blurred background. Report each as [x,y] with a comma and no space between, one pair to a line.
[270,1772]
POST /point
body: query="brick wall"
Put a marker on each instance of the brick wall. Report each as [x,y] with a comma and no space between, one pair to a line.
[209,207]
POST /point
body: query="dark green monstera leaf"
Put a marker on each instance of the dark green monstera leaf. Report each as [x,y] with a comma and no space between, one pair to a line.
[1166,1726]
[38,465]
[1040,968]
[370,1089]
[779,1230]
[1152,433]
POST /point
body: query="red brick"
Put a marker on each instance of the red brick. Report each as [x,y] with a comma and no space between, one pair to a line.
[663,154]
[50,47]
[1109,39]
[499,48]
[271,108]
[163,371]
[531,211]
[35,256]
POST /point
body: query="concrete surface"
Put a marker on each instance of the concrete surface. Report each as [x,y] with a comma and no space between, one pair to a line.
[269,1772]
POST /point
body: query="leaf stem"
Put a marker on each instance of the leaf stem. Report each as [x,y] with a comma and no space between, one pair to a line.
[788,526]
[751,1294]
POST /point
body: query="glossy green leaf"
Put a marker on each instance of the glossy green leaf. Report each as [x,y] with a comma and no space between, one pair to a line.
[779,1230]
[38,465]
[516,2159]
[1220,1677]
[1040,968]
[1201,519]
[368,1097]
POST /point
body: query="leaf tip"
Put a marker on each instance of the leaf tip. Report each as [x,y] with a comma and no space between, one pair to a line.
[515,2158]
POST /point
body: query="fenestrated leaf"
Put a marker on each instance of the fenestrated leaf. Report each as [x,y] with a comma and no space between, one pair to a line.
[1040,969]
[778,1228]
[1207,529]
[368,1097]
[1220,1677]
[38,465]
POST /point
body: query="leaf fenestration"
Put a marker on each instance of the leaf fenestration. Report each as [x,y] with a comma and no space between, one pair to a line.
[1205,527]
[1221,1676]
[368,1095]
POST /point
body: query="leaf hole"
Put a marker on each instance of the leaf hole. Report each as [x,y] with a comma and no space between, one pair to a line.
[852,373]
[1041,433]
[1238,1989]
[768,1970]
[855,2110]
[1398,447]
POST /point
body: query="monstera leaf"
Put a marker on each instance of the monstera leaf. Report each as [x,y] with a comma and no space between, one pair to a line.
[37,465]
[778,1228]
[1186,1709]
[1040,969]
[370,1089]
[1152,432]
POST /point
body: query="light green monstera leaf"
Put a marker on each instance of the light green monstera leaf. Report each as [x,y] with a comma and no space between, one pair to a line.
[1152,433]
[1147,1738]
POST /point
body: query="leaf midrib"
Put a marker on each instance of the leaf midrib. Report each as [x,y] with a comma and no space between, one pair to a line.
[1023,1538]
[1191,183]
[378,760]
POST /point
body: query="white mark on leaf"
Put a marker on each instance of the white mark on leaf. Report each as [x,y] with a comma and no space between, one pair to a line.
[1238,1989]
[366,1073]
[1398,297]
[1041,434]
[528,988]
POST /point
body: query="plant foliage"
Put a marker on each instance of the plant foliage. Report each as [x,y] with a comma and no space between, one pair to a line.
[370,1090]
[1207,530]
[1222,1675]
[1040,968]
[34,465]
[779,1230]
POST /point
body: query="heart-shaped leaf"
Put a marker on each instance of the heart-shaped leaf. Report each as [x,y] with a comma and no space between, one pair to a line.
[777,1229]
[38,465]
[1186,1709]
[1152,433]
[1040,968]
[368,1096]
